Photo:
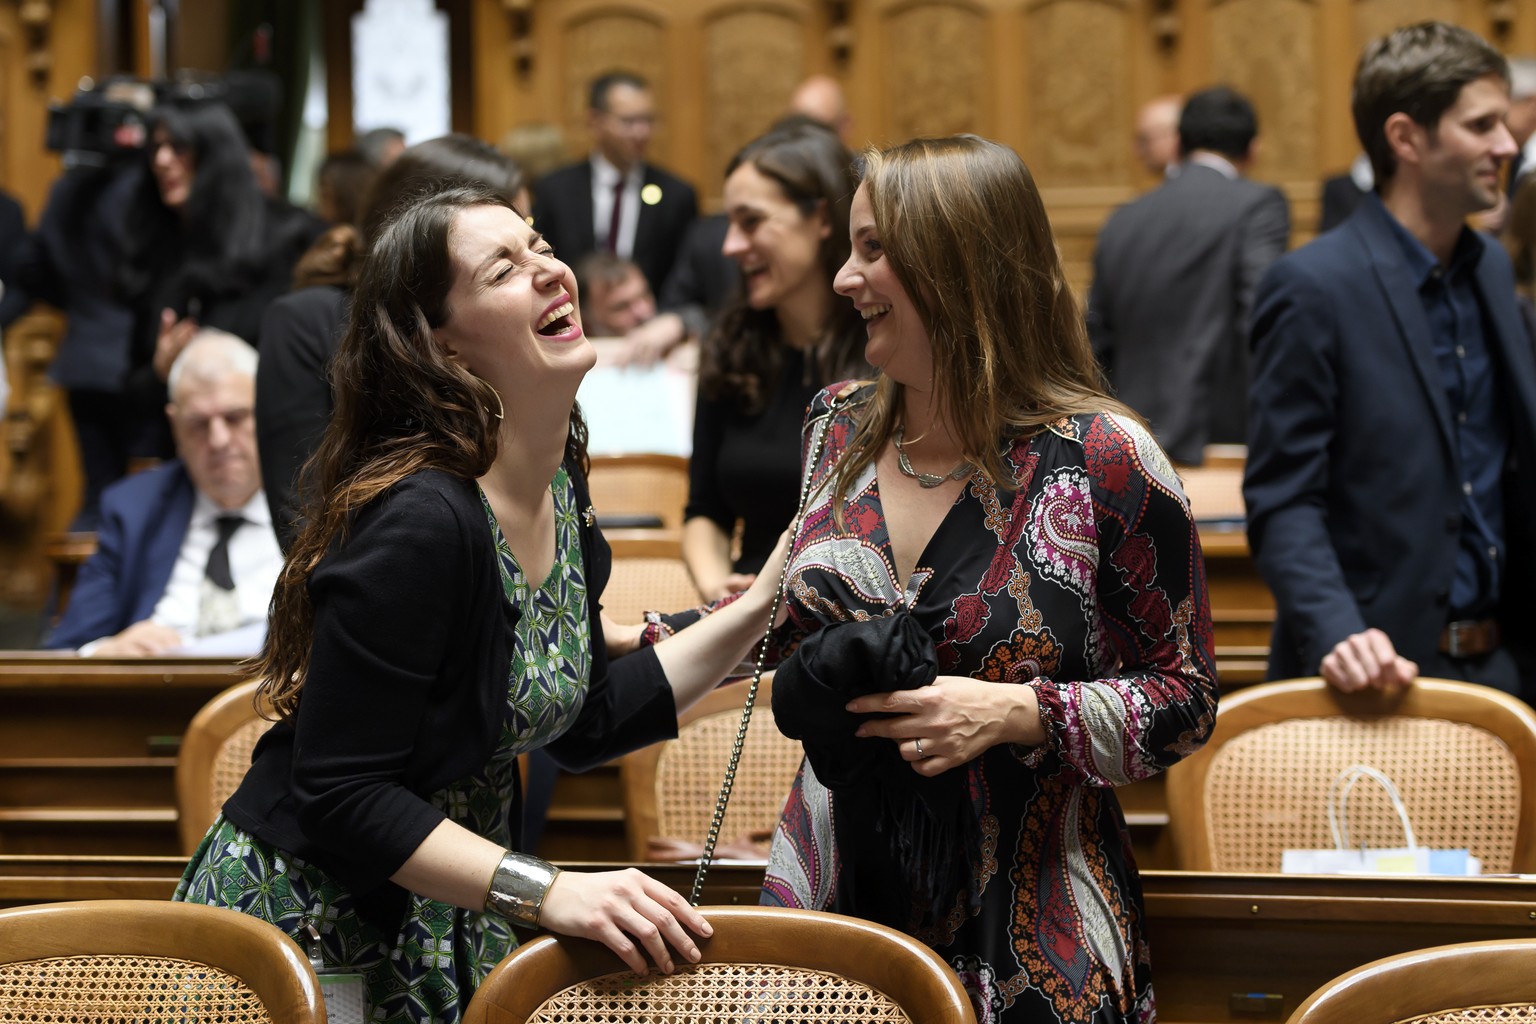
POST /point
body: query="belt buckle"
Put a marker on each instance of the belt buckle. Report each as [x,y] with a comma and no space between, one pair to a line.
[1453,639]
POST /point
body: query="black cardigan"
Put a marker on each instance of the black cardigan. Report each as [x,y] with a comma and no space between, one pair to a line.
[407,689]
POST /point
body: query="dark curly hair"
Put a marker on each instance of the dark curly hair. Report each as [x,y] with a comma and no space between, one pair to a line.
[744,354]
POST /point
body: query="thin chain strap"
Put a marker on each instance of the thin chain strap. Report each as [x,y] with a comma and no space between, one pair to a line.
[718,818]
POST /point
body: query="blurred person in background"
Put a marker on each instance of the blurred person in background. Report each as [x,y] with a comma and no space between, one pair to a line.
[185,550]
[341,182]
[615,298]
[381,146]
[203,247]
[782,339]
[615,199]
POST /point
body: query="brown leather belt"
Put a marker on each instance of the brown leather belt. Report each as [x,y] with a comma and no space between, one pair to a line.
[1469,638]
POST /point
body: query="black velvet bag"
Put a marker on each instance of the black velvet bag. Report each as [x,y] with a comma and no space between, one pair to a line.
[929,828]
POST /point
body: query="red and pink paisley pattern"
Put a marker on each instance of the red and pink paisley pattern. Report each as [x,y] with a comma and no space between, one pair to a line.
[1086,584]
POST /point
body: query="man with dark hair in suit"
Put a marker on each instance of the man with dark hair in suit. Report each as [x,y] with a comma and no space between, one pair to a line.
[614,200]
[1391,474]
[1173,281]
[185,550]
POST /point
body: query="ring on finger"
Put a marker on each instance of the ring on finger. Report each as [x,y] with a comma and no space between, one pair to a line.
[920,748]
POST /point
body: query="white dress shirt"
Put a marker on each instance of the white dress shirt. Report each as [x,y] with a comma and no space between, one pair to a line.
[605,177]
[254,562]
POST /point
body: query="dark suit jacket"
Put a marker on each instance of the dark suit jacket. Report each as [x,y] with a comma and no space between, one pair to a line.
[1173,282]
[144,518]
[1340,197]
[562,212]
[299,334]
[703,279]
[1352,483]
[14,245]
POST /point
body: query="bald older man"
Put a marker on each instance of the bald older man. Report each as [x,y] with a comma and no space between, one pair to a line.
[1157,134]
[185,550]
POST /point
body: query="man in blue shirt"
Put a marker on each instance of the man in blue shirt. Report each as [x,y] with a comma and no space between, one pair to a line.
[1392,431]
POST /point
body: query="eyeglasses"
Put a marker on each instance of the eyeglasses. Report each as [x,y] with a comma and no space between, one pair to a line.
[199,427]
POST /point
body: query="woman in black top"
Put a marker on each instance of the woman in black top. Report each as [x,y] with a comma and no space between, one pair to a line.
[204,248]
[438,615]
[780,341]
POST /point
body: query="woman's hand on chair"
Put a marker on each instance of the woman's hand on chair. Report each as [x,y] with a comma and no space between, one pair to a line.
[629,912]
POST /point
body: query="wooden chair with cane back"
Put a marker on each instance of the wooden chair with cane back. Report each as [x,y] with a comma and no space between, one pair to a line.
[133,961]
[215,755]
[1457,984]
[648,575]
[765,964]
[1463,757]
[643,490]
[670,787]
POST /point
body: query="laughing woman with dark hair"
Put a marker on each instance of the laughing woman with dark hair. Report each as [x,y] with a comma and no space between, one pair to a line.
[205,248]
[440,614]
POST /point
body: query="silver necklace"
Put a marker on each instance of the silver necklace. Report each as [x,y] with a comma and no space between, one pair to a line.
[926,480]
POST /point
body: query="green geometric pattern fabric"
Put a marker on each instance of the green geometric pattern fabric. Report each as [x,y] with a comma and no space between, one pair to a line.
[426,972]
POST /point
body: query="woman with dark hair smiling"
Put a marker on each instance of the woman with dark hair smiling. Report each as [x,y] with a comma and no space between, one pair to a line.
[780,341]
[438,615]
[205,248]
[1021,535]
[301,330]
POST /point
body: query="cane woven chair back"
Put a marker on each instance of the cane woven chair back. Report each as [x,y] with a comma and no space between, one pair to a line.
[640,485]
[215,755]
[151,962]
[670,787]
[648,575]
[1463,757]
[765,964]
[1465,983]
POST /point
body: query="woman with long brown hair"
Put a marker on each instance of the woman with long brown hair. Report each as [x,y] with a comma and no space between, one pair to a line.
[783,338]
[439,614]
[987,505]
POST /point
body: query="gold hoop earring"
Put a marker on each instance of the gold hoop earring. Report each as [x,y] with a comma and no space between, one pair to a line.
[501,410]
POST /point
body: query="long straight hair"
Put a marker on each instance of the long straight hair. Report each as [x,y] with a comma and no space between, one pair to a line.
[220,236]
[402,406]
[963,227]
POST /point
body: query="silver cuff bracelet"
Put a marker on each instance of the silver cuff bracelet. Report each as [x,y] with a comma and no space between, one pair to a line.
[518,887]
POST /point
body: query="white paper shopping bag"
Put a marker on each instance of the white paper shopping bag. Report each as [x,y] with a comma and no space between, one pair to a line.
[1344,859]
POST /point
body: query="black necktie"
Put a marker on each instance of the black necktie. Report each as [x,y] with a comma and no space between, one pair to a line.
[218,559]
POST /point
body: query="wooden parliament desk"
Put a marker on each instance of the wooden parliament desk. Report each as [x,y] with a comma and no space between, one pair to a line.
[88,749]
[1225,948]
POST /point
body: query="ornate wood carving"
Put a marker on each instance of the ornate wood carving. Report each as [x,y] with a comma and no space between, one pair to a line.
[36,18]
[612,40]
[1080,96]
[521,47]
[1266,49]
[754,60]
[933,71]
[1375,18]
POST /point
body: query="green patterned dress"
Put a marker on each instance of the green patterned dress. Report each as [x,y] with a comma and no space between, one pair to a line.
[429,969]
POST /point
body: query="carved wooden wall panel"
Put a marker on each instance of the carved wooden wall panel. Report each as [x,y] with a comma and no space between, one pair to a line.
[934,76]
[1375,18]
[613,40]
[1079,93]
[1266,49]
[754,58]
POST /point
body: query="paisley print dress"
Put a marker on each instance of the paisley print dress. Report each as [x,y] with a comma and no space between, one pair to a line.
[1085,583]
[427,971]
